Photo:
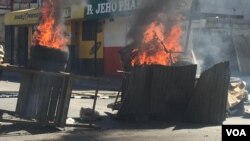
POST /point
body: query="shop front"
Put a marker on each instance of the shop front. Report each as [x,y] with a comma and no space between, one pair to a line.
[96,33]
[20,25]
[114,16]
[18,32]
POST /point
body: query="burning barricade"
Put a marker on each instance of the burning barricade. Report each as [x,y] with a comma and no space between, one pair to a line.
[49,51]
[158,85]
[44,93]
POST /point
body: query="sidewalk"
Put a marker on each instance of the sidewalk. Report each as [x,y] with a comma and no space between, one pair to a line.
[111,130]
[106,83]
[9,87]
[108,87]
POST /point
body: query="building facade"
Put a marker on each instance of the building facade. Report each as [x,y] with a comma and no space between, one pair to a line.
[226,7]
[220,32]
[7,6]
[97,31]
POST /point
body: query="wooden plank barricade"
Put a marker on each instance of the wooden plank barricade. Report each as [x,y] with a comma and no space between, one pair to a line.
[44,97]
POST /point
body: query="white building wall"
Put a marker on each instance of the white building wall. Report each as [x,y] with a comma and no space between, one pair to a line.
[245,6]
[229,7]
[22,5]
[115,32]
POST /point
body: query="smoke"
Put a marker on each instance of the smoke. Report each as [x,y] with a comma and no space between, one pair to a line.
[214,42]
[212,46]
[58,7]
[223,38]
[167,12]
[61,4]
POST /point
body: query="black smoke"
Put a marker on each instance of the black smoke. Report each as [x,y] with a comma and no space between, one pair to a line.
[57,7]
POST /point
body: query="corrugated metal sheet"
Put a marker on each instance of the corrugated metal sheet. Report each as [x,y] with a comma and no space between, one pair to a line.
[159,91]
[208,104]
[44,97]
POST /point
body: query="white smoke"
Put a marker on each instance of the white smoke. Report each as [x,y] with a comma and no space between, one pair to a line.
[212,46]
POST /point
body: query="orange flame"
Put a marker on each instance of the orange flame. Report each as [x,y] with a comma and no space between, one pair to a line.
[157,47]
[48,32]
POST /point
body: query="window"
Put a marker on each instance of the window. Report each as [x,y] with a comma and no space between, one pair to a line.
[89,30]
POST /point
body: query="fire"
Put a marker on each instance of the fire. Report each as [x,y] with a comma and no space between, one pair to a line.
[158,47]
[49,32]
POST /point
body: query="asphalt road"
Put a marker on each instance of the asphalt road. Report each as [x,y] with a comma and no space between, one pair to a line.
[113,130]
[110,129]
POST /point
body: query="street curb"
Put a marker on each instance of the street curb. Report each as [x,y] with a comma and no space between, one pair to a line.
[14,94]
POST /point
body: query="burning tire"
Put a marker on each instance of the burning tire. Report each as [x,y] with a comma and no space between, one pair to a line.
[48,59]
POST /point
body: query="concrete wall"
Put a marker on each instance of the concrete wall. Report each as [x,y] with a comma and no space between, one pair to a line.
[212,42]
[246,8]
[115,31]
[229,7]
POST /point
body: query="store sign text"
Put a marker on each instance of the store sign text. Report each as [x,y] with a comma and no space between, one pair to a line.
[114,6]
[27,16]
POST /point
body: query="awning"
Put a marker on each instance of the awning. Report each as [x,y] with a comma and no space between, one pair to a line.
[31,16]
[21,17]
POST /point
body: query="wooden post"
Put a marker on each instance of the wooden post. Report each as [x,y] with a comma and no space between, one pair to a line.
[23,93]
[67,94]
[94,104]
[63,102]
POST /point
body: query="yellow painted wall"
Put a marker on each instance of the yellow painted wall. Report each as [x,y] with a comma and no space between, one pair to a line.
[31,16]
[68,32]
[22,17]
[77,12]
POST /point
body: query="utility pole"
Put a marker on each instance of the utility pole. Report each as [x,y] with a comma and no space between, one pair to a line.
[95,49]
[11,5]
[232,40]
[190,18]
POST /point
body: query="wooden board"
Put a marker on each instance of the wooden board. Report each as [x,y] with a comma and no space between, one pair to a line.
[44,96]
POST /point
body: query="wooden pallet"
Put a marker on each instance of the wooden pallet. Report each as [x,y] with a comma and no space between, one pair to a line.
[45,96]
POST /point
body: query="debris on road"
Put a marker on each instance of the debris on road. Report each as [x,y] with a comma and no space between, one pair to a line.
[70,121]
[237,95]
[86,114]
[12,95]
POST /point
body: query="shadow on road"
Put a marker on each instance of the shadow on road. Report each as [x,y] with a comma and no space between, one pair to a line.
[25,129]
[111,123]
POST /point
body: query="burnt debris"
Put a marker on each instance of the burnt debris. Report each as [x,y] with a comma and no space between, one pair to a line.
[48,59]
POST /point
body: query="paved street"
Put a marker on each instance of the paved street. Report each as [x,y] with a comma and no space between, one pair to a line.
[112,130]
[6,86]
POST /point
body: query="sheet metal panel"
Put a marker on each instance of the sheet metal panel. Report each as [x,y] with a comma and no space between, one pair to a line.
[159,91]
[208,104]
